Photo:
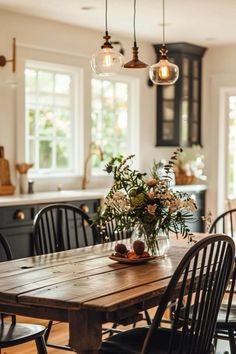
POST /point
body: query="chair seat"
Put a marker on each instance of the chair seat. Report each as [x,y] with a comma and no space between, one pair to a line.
[131,342]
[13,334]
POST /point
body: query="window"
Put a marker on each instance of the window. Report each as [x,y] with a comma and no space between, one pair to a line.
[231,156]
[50,110]
[111,118]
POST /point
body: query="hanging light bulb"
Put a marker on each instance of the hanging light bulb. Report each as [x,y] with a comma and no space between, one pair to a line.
[135,63]
[164,72]
[107,62]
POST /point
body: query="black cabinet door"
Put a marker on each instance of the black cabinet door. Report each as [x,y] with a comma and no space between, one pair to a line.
[20,240]
[179,105]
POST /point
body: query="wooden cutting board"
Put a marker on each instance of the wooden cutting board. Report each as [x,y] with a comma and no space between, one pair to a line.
[4,172]
[5,182]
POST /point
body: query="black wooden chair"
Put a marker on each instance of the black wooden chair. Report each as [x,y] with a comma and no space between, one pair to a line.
[200,279]
[226,321]
[61,227]
[226,223]
[11,332]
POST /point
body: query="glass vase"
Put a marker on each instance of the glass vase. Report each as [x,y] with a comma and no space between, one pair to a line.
[157,242]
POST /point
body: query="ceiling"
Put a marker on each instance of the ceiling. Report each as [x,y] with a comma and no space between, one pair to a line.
[203,22]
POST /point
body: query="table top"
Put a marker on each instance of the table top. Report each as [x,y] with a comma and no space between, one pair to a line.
[86,278]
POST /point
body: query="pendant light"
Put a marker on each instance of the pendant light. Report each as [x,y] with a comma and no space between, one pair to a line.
[164,72]
[135,63]
[107,62]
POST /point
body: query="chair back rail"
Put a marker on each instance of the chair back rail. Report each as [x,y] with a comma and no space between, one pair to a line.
[199,283]
[60,227]
[225,223]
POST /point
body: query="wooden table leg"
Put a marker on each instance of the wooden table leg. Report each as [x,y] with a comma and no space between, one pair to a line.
[85,331]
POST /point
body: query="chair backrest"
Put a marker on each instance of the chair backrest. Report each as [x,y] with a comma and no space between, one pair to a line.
[60,227]
[5,252]
[199,283]
[107,231]
[5,255]
[225,222]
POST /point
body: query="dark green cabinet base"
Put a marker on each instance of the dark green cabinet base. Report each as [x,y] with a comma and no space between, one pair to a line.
[16,225]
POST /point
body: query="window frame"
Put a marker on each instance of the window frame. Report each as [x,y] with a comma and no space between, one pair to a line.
[133,124]
[77,109]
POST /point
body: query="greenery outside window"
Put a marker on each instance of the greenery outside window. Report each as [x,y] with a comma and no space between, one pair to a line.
[50,110]
[111,119]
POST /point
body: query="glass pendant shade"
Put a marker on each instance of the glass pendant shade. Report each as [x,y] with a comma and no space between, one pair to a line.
[107,62]
[164,72]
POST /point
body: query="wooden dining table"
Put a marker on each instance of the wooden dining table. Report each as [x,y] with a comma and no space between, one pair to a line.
[85,288]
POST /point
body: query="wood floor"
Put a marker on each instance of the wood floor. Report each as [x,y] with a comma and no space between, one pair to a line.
[59,335]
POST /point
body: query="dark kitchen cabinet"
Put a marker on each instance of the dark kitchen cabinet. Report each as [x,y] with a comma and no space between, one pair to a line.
[16,223]
[179,105]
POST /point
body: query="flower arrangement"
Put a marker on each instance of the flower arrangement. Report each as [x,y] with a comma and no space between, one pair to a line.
[137,200]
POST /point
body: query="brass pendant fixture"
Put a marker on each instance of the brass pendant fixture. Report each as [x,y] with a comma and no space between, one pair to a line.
[135,63]
[164,72]
[107,62]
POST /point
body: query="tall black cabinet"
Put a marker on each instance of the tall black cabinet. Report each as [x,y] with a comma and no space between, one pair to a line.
[179,105]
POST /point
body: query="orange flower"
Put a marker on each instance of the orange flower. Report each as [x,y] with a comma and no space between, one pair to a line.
[151,182]
[151,208]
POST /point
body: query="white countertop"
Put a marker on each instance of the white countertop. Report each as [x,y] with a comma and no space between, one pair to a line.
[52,197]
[72,195]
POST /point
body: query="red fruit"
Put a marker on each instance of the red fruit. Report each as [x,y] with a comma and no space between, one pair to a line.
[121,248]
[138,247]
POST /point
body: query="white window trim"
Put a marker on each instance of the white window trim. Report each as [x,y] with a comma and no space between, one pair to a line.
[77,120]
[225,93]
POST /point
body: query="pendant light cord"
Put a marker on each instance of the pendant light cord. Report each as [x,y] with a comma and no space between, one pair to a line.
[106,15]
[135,22]
[163,23]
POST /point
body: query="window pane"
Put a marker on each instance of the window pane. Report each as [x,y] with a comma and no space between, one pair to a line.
[168,132]
[30,114]
[62,100]
[45,154]
[49,118]
[30,80]
[62,83]
[45,81]
[232,148]
[62,154]
[45,99]
[62,123]
[32,151]
[46,118]
[110,115]
[168,110]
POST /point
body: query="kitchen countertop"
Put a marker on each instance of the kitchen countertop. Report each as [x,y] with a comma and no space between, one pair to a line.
[79,194]
[52,197]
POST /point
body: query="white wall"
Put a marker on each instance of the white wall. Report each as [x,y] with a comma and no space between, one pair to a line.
[218,76]
[45,40]
[56,42]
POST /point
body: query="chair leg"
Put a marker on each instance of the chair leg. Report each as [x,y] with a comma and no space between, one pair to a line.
[147,318]
[41,346]
[48,330]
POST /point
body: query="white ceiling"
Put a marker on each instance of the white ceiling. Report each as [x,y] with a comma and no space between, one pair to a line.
[203,22]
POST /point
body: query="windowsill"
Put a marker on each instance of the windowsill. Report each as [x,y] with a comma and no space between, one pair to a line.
[42,176]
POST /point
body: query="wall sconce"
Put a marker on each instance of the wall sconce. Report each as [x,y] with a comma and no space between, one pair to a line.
[4,61]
